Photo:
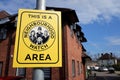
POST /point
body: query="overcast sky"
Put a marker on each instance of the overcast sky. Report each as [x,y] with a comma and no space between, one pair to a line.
[100,20]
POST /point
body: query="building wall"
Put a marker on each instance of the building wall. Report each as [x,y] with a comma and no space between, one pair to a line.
[107,62]
[12,71]
[3,53]
[55,74]
[5,50]
[6,53]
[74,52]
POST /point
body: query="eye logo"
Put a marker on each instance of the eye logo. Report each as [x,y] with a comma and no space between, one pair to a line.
[39,35]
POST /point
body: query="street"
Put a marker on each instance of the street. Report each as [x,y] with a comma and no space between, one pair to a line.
[105,76]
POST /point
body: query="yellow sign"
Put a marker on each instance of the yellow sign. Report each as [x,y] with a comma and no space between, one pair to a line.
[38,39]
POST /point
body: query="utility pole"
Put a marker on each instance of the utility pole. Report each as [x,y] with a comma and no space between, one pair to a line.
[38,73]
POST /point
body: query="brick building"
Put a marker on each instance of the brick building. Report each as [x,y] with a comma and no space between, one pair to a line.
[73,63]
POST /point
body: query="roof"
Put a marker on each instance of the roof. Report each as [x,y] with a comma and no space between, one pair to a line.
[118,60]
[3,14]
[84,55]
[78,28]
[80,34]
[106,56]
[70,16]
[66,13]
[83,49]
[69,13]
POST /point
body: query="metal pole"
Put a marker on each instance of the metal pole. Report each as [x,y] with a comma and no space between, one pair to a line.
[40,4]
[38,73]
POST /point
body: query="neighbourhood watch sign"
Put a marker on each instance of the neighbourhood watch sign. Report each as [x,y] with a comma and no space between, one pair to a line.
[38,39]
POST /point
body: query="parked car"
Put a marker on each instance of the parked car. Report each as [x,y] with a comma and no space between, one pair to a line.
[103,69]
[111,70]
[12,78]
[92,68]
[96,68]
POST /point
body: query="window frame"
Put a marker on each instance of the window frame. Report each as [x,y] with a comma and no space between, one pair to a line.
[78,66]
[81,68]
[3,33]
[18,72]
[1,68]
[73,68]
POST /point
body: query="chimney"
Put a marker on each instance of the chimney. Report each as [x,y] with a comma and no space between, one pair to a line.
[111,54]
[101,54]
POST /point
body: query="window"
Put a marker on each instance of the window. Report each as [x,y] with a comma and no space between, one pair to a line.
[42,71]
[1,64]
[47,75]
[21,72]
[3,33]
[78,65]
[73,68]
[71,32]
[16,21]
[4,20]
[72,28]
[78,33]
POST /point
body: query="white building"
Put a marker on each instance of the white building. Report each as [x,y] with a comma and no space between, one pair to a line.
[107,60]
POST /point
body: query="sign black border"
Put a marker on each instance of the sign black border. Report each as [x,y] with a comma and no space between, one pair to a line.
[19,37]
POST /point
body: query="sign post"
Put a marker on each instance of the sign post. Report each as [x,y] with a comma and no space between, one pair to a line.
[40,4]
[38,73]
[38,39]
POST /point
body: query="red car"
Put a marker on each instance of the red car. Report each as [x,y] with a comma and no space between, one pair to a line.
[12,78]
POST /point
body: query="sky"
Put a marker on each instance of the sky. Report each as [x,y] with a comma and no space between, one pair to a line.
[99,19]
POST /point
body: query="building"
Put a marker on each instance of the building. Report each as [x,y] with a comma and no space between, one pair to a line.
[107,59]
[73,63]
[6,44]
[86,60]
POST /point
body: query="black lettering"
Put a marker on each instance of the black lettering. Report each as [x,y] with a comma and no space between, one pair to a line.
[25,34]
[44,17]
[42,47]
[32,46]
[49,17]
[46,46]
[33,16]
[29,27]
[48,57]
[35,57]
[45,24]
[28,57]
[35,47]
[41,57]
[34,23]
[38,47]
